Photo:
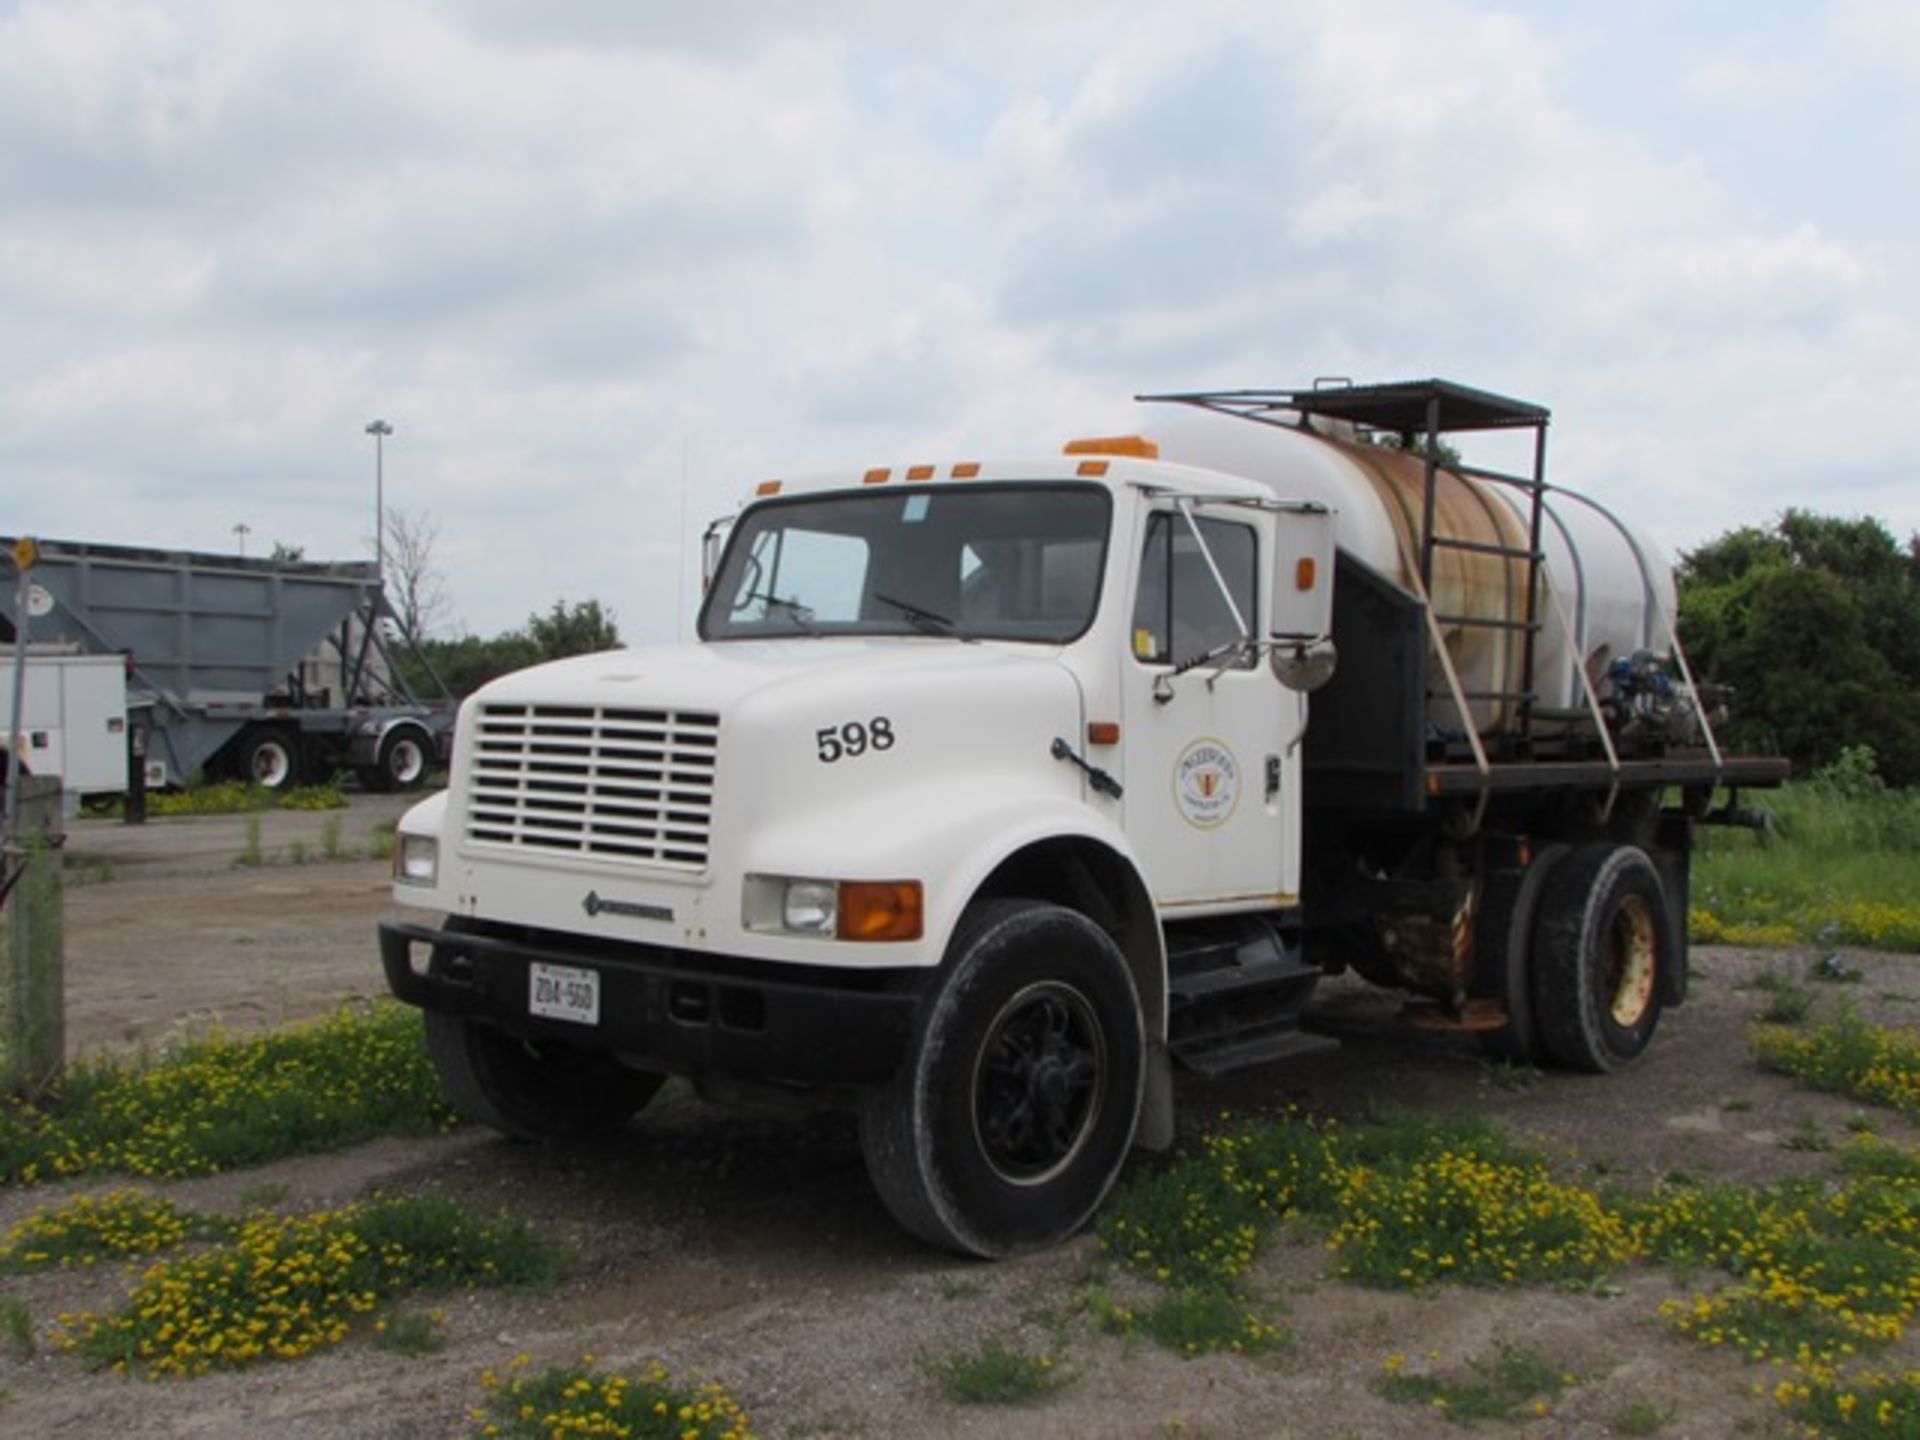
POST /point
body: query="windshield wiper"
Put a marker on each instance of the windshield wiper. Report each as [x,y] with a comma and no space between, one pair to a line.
[928,622]
[801,615]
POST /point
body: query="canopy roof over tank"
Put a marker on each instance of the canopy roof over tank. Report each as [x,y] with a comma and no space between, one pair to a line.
[1404,407]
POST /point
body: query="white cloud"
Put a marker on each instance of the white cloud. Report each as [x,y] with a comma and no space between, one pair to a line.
[604,263]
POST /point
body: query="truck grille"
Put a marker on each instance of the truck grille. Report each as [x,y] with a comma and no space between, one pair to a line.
[627,785]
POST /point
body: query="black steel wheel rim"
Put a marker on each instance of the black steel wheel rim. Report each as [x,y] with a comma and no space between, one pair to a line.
[1039,1082]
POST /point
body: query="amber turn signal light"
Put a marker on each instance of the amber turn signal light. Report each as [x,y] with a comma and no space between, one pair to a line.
[1303,572]
[880,910]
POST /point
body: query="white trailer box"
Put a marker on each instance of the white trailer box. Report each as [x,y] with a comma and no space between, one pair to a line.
[73,719]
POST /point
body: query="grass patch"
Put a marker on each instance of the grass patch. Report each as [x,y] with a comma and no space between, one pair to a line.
[413,1332]
[577,1400]
[88,1229]
[16,1326]
[250,852]
[1870,1156]
[380,840]
[1642,1417]
[77,869]
[1847,1407]
[1835,868]
[1410,1202]
[1817,1271]
[1788,1001]
[228,1101]
[1493,1387]
[1848,1056]
[1206,1319]
[230,797]
[287,1285]
[992,1373]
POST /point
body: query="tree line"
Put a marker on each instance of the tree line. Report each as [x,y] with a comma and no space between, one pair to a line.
[1814,621]
[464,663]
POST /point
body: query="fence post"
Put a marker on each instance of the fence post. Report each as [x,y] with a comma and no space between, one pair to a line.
[35,1001]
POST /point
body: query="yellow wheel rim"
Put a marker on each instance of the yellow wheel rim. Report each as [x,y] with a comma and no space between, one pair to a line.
[1630,961]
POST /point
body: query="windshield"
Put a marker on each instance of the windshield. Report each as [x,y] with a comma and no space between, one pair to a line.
[986,562]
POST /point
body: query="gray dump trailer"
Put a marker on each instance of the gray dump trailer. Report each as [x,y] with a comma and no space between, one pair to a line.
[277,671]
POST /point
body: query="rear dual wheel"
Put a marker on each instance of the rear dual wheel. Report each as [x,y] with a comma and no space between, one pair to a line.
[1602,950]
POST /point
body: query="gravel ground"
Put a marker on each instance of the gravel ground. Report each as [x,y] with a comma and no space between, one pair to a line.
[753,1252]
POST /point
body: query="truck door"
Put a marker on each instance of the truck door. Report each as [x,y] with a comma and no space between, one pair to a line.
[1206,747]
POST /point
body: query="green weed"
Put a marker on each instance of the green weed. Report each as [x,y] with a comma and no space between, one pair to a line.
[16,1325]
[643,1405]
[1834,869]
[1850,1057]
[1642,1417]
[250,852]
[992,1373]
[1206,1319]
[287,1285]
[410,1333]
[231,1101]
[1493,1387]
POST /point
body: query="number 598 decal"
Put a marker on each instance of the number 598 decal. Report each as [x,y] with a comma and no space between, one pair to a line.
[854,738]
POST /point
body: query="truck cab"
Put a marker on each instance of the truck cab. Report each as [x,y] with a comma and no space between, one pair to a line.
[984,708]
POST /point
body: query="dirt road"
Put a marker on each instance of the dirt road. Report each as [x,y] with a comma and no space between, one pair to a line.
[753,1252]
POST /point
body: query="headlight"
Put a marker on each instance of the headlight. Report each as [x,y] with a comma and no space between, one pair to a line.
[416,859]
[810,906]
[835,909]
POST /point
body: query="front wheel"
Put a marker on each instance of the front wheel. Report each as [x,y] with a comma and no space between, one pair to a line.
[533,1090]
[1602,945]
[1013,1113]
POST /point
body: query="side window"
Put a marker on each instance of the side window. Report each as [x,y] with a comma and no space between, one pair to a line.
[1179,612]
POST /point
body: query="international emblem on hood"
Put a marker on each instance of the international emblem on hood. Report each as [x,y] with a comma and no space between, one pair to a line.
[1206,784]
[596,904]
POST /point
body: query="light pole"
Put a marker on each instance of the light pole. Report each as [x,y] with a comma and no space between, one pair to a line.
[243,530]
[379,430]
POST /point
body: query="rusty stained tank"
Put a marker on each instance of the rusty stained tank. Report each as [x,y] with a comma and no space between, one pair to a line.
[1610,582]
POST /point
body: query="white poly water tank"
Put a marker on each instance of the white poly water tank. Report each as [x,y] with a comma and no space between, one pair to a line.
[1611,583]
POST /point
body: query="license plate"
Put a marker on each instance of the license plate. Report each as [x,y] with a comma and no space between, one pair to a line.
[561,992]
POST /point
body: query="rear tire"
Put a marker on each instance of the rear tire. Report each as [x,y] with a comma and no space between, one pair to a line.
[1014,1111]
[1602,946]
[406,755]
[1505,943]
[270,758]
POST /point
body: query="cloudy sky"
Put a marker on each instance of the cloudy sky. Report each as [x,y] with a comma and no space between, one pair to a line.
[606,265]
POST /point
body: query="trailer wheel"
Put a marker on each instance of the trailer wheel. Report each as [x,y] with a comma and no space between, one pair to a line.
[404,760]
[270,758]
[533,1089]
[1504,941]
[1602,945]
[1010,1119]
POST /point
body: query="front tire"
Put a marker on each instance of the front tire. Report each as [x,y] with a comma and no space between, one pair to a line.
[1014,1111]
[1602,949]
[533,1090]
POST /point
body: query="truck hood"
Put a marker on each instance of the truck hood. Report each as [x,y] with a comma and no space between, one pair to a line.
[719,677]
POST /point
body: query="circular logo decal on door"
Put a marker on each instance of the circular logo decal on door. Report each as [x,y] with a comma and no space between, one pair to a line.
[1206,783]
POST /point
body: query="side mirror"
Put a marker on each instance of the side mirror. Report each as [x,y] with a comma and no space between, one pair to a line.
[1301,623]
